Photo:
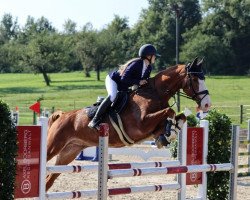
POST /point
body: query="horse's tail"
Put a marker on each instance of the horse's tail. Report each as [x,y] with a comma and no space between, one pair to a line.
[54,117]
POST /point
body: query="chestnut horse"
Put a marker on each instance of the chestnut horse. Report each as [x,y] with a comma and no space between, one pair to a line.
[144,116]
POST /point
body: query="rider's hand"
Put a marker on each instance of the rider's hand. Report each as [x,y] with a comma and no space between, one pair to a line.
[143,82]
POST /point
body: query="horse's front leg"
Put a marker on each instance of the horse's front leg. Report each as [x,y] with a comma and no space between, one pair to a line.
[180,120]
[173,127]
[151,121]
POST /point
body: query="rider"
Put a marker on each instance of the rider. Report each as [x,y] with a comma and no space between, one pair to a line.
[134,72]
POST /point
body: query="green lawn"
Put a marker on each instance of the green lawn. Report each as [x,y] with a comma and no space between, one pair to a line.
[70,91]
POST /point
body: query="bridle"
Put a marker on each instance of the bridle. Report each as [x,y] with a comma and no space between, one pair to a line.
[195,97]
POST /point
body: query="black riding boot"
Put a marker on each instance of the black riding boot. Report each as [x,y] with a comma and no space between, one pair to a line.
[99,113]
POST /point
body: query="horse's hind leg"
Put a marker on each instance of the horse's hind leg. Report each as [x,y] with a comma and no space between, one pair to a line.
[66,156]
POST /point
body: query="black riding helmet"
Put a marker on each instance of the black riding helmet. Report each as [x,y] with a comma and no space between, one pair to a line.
[148,50]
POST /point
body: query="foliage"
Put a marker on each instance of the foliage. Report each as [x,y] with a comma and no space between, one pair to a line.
[8,28]
[192,121]
[219,144]
[45,54]
[218,30]
[8,151]
[157,25]
[215,52]
[91,51]
[223,37]
[218,152]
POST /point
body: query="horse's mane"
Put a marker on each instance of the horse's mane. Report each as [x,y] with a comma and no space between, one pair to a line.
[149,88]
[169,70]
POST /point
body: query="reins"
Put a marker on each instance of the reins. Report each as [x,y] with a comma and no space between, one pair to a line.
[196,94]
[200,75]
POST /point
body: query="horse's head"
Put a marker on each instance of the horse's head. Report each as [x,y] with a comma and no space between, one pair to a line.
[194,85]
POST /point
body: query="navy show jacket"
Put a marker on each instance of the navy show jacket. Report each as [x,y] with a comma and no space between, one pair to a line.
[132,75]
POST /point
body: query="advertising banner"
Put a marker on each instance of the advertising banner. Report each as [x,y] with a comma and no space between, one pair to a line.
[28,161]
[194,154]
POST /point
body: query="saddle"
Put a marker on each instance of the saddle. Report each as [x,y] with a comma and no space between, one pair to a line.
[117,106]
[113,112]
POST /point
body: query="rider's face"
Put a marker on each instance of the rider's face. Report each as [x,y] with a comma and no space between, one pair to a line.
[153,59]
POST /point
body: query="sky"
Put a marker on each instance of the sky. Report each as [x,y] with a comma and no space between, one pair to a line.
[98,12]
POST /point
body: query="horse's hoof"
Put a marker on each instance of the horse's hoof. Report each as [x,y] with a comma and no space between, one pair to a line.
[158,143]
[161,141]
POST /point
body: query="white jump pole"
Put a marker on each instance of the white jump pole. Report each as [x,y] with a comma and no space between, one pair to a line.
[202,188]
[234,162]
[248,146]
[43,122]
[182,157]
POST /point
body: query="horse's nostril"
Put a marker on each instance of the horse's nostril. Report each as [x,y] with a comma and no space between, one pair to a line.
[207,105]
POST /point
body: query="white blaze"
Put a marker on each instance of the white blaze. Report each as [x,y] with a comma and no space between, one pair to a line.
[206,101]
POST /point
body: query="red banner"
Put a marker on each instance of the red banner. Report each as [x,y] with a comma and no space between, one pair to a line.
[35,107]
[28,161]
[194,154]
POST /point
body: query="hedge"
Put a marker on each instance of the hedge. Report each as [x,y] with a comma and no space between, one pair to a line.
[219,145]
[8,152]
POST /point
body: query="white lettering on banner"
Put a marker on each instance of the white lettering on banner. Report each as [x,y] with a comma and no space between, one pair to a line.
[26,184]
[193,176]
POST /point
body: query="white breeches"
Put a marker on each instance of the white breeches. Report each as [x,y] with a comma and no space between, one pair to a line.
[111,88]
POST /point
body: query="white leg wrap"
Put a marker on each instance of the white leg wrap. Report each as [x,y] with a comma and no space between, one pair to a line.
[173,133]
[180,123]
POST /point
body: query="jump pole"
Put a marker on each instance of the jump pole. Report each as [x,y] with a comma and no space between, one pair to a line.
[43,122]
[81,168]
[181,170]
[103,162]
[202,188]
[232,167]
[103,192]
[182,157]
[234,162]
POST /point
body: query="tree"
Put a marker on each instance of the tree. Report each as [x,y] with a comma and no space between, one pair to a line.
[8,28]
[69,27]
[90,53]
[216,54]
[46,54]
[10,56]
[228,22]
[33,27]
[157,26]
[91,50]
[117,39]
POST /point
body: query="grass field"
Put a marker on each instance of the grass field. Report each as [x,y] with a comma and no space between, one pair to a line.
[70,91]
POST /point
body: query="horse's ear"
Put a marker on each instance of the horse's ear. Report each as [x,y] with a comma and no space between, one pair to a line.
[194,63]
[200,62]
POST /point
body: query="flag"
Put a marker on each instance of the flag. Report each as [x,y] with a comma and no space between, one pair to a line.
[35,107]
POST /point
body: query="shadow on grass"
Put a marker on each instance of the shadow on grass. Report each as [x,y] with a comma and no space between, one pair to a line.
[26,90]
[78,87]
[19,90]
[74,81]
[229,77]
